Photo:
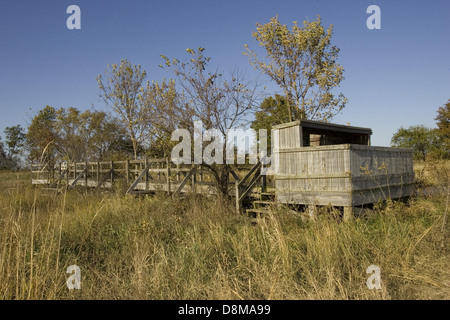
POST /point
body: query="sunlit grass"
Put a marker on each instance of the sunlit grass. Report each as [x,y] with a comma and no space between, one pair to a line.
[195,248]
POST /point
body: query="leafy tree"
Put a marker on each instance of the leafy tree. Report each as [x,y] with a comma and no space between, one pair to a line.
[121,88]
[303,63]
[443,130]
[42,136]
[162,103]
[89,135]
[71,144]
[69,134]
[15,140]
[421,139]
[106,137]
[272,111]
[5,161]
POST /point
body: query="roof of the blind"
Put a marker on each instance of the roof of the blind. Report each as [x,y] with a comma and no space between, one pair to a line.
[325,126]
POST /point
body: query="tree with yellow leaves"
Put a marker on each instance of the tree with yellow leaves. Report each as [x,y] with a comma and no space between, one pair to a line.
[303,63]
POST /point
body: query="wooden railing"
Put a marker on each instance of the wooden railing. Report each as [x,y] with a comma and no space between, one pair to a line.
[150,175]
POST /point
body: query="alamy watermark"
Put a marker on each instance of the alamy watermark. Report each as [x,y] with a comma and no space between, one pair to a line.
[74,280]
[74,20]
[374,21]
[374,281]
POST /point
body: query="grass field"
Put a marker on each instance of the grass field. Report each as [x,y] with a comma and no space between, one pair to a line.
[195,248]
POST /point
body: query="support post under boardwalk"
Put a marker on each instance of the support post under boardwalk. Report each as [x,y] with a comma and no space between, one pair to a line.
[348,213]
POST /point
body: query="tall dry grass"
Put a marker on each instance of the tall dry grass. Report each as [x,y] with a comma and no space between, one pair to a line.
[195,248]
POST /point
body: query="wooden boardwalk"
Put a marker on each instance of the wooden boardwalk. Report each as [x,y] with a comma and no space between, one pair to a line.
[149,176]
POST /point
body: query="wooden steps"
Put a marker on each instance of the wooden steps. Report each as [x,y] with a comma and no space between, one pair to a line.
[263,202]
[261,207]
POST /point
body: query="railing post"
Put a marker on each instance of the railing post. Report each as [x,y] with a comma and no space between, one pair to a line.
[168,175]
[146,174]
[98,173]
[67,174]
[263,183]
[238,204]
[86,174]
[159,172]
[112,173]
[127,169]
[194,180]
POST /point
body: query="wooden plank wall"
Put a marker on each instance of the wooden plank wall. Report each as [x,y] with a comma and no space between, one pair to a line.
[314,175]
[380,173]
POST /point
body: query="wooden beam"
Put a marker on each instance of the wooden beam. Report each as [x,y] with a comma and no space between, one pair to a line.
[235,176]
[256,167]
[127,171]
[185,180]
[130,189]
[250,186]
[237,192]
[112,173]
[86,174]
[146,173]
[98,173]
[168,175]
[74,182]
[194,180]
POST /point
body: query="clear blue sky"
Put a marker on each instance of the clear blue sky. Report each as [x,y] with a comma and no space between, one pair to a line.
[396,76]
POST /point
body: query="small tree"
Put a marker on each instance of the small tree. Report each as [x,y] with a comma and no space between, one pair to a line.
[121,87]
[303,63]
[5,161]
[88,135]
[443,130]
[272,111]
[42,136]
[15,141]
[421,139]
[163,115]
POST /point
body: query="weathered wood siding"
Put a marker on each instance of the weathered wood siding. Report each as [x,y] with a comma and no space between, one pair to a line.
[380,173]
[289,137]
[314,175]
